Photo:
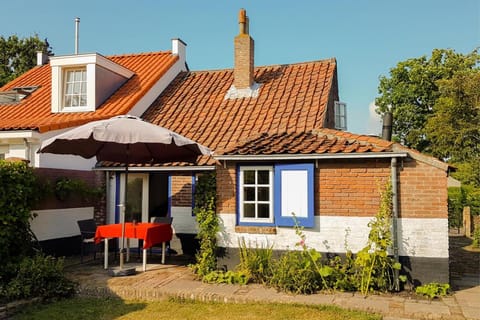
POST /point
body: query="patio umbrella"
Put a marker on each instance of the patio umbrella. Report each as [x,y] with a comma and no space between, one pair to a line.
[127,140]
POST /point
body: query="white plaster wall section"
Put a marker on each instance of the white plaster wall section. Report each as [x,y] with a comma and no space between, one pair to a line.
[59,223]
[338,234]
[111,196]
[423,237]
[328,234]
[183,221]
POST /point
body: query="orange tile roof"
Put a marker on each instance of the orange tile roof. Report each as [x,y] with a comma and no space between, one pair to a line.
[311,142]
[34,112]
[292,98]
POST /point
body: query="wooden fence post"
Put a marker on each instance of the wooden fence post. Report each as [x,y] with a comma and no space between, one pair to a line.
[467,222]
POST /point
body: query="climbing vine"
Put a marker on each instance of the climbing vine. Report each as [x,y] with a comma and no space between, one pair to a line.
[205,207]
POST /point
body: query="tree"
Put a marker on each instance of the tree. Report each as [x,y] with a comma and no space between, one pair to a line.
[19,55]
[454,127]
[412,90]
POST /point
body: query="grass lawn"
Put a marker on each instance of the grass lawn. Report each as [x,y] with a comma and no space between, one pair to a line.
[111,308]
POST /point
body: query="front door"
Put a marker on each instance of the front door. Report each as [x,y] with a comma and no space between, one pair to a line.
[137,199]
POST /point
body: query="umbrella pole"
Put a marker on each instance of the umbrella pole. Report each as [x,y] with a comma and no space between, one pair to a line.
[122,221]
[124,210]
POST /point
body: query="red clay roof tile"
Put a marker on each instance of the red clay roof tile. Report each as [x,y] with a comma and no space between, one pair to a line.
[292,98]
[311,142]
[34,112]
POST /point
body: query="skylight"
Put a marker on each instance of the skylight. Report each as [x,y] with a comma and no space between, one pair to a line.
[16,94]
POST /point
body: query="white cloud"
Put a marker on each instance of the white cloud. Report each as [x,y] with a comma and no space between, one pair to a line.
[374,125]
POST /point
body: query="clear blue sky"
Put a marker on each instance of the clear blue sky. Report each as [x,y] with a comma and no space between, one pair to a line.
[366,37]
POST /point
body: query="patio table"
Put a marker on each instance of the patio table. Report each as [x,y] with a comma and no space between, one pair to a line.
[150,233]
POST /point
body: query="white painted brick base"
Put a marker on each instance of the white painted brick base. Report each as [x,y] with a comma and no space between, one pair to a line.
[417,237]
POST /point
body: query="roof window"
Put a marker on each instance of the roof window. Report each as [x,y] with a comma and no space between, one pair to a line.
[16,95]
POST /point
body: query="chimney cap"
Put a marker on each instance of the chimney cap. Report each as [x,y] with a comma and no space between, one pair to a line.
[242,16]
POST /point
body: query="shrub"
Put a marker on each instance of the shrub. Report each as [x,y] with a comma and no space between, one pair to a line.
[39,276]
[295,272]
[433,290]
[256,262]
[18,193]
[229,277]
[476,237]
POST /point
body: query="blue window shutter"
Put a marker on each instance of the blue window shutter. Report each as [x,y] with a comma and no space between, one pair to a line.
[293,192]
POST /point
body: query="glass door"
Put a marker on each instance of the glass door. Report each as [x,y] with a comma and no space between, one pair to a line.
[137,199]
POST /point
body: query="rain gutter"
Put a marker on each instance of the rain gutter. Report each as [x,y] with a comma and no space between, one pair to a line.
[150,169]
[369,155]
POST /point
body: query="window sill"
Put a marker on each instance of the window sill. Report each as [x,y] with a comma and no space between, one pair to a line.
[256,230]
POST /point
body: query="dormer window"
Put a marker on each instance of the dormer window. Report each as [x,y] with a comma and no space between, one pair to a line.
[81,83]
[75,88]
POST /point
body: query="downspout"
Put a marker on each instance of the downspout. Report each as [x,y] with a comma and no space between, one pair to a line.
[393,166]
[387,135]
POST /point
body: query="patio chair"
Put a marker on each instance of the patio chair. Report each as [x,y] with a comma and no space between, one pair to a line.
[167,220]
[87,234]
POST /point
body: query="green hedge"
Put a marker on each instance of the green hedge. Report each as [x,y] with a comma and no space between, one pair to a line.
[18,193]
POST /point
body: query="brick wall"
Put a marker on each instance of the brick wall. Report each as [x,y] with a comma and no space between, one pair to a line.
[349,187]
[226,189]
[423,191]
[92,178]
[182,190]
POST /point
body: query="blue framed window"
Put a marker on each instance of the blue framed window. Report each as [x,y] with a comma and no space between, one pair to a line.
[268,195]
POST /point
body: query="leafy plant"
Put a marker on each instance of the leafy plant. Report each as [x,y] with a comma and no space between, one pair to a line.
[65,187]
[295,272]
[228,277]
[18,193]
[39,276]
[433,290]
[375,267]
[205,205]
[476,237]
[256,262]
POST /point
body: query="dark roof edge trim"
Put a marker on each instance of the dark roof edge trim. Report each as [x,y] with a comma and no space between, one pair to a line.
[369,155]
[166,168]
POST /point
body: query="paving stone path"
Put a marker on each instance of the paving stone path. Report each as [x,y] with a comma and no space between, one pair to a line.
[176,280]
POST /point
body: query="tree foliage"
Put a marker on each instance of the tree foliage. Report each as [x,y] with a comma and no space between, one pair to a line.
[454,127]
[412,90]
[19,55]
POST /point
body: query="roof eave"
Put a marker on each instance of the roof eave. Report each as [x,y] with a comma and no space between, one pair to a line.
[162,168]
[369,155]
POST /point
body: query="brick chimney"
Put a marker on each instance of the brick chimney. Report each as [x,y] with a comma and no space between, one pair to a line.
[243,71]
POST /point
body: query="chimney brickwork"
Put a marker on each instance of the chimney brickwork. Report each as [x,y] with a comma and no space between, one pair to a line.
[244,53]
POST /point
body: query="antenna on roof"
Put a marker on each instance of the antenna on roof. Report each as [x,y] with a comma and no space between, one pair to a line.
[77,24]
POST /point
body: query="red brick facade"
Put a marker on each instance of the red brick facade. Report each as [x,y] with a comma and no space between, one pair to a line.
[351,188]
[95,179]
[423,191]
[182,190]
[226,189]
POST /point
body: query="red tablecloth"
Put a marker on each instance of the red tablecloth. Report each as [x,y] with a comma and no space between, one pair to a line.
[150,233]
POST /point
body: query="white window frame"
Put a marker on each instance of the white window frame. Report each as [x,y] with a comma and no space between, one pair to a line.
[83,84]
[340,110]
[241,185]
